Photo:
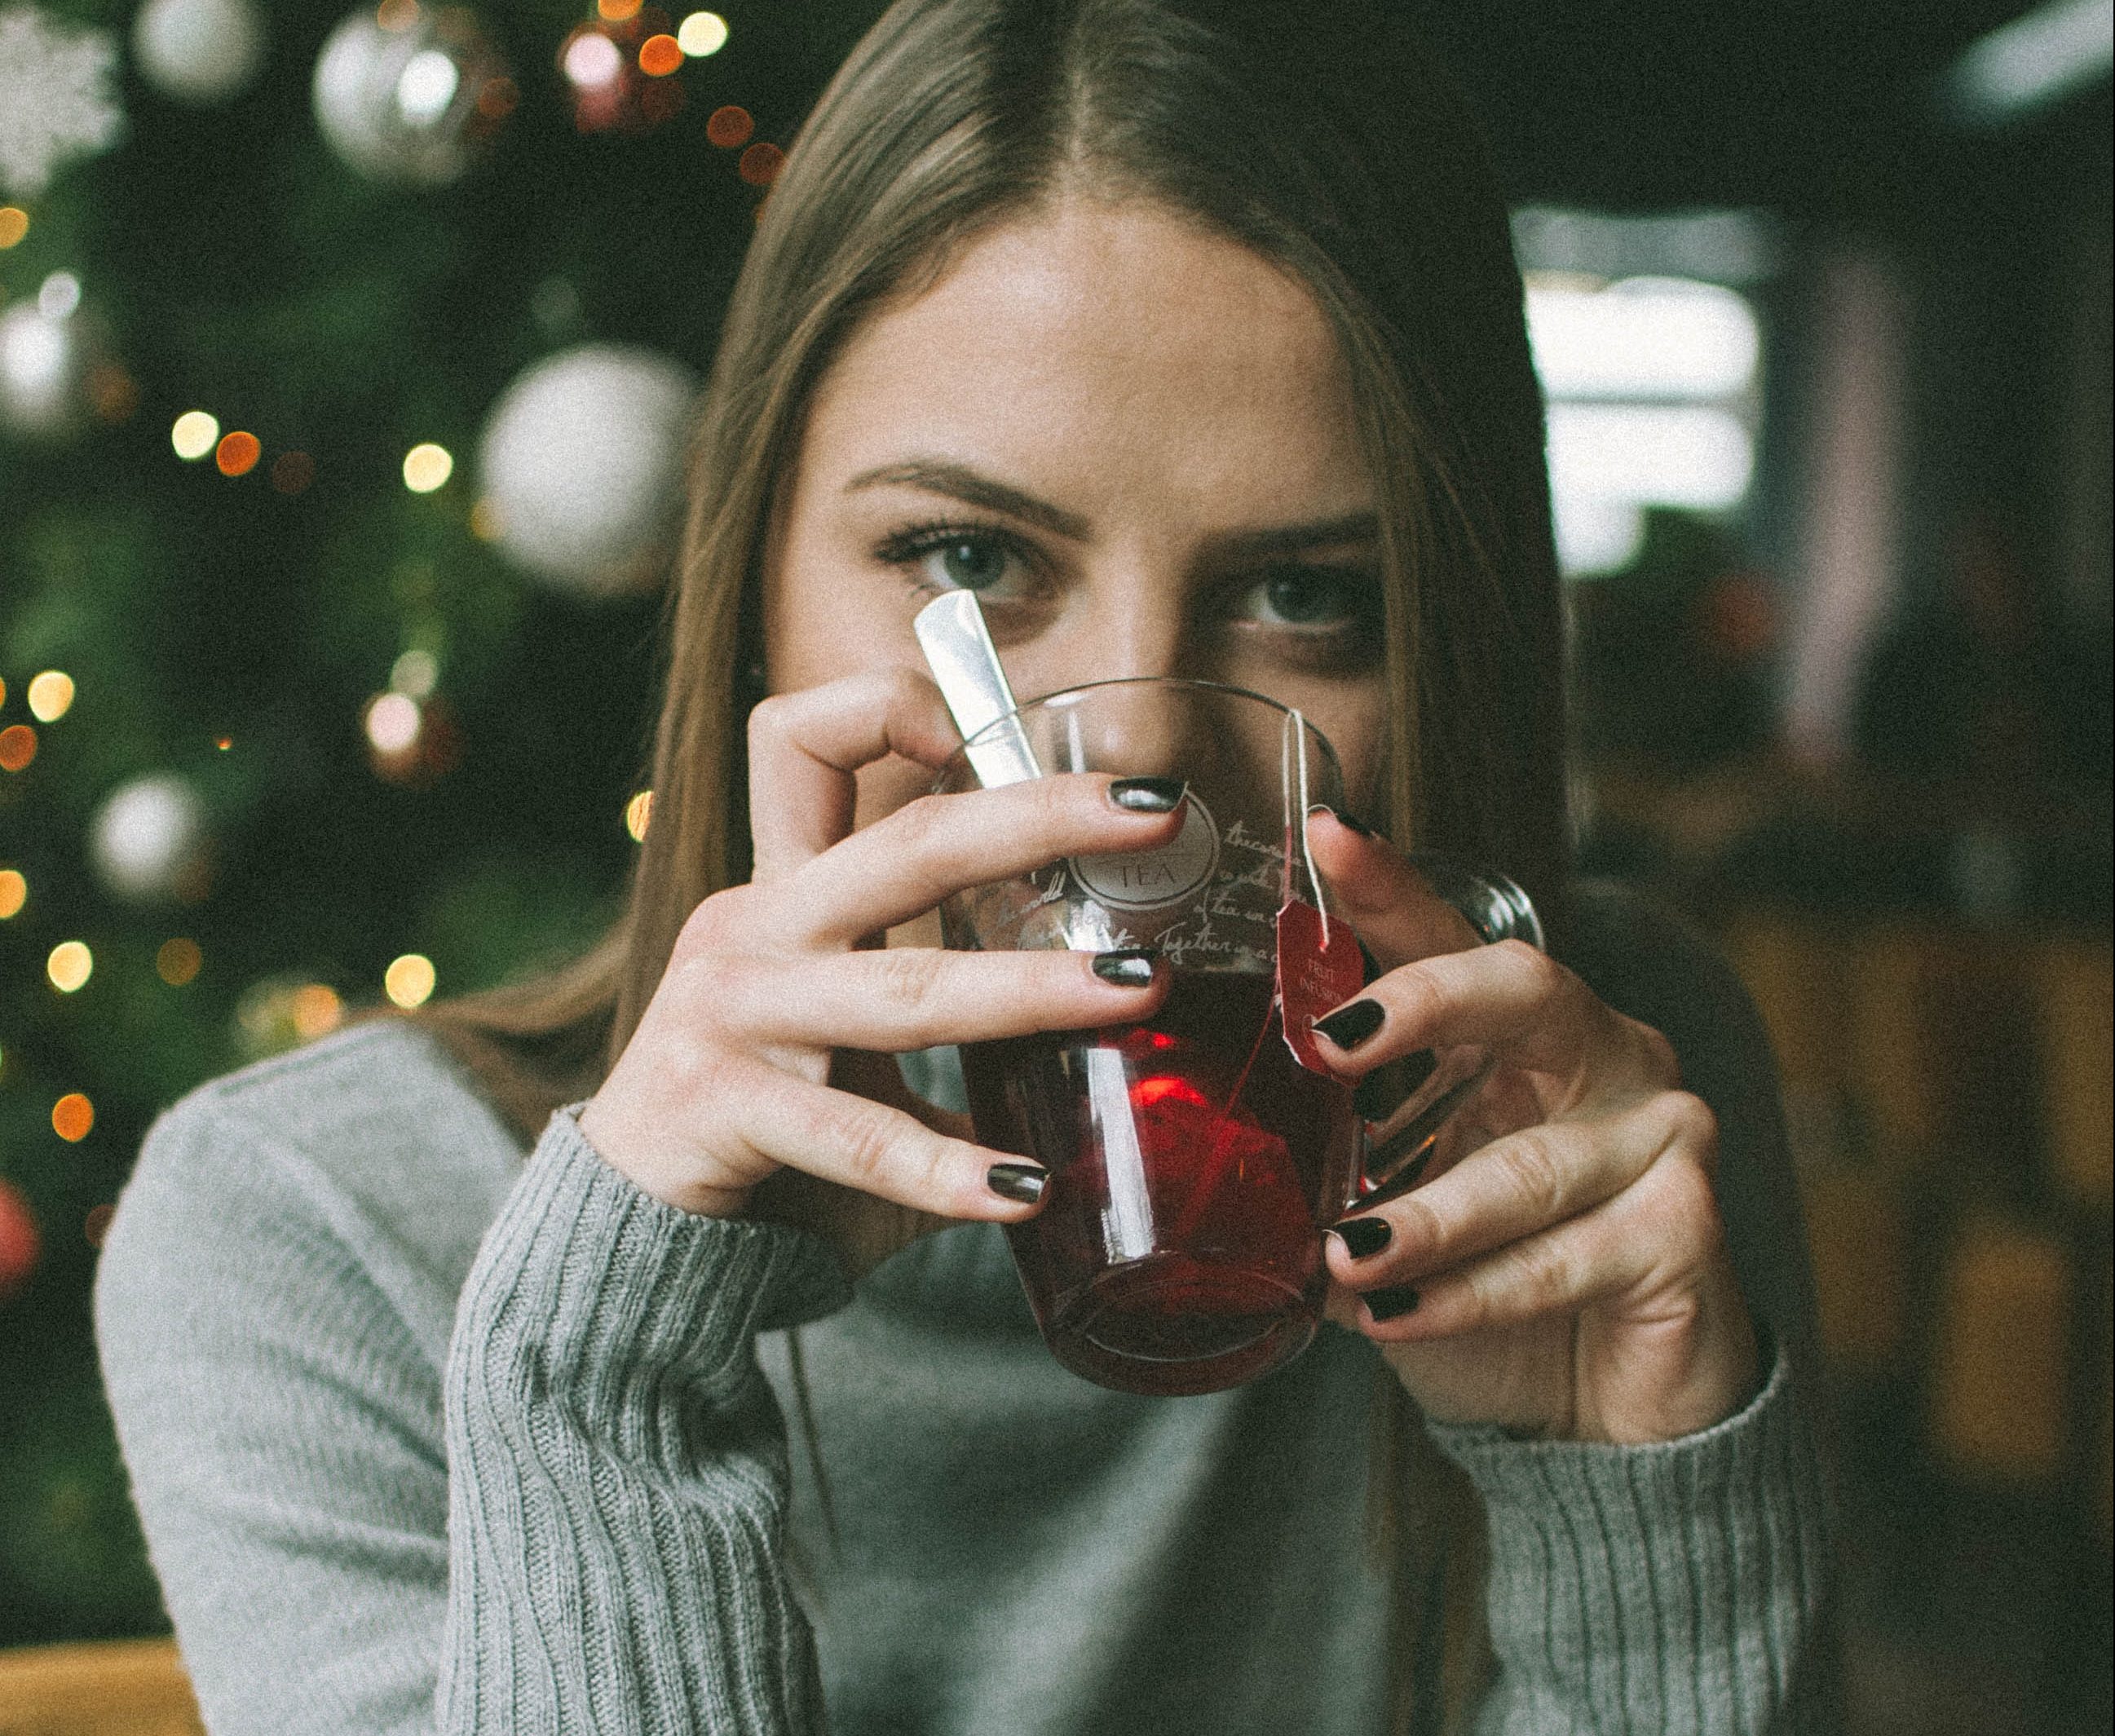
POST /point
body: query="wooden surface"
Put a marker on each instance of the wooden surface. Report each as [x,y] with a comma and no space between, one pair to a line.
[119,1688]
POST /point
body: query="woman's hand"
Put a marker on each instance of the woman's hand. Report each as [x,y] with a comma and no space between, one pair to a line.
[770,1041]
[1567,1276]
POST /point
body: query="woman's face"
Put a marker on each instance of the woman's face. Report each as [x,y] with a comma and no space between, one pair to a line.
[1134,440]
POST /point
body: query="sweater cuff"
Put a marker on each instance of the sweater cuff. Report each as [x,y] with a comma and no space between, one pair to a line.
[1674,1587]
[607,1286]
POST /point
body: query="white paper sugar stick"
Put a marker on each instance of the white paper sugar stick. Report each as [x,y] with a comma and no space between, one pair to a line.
[958,649]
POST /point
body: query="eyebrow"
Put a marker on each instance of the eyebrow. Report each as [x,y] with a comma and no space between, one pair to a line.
[959,482]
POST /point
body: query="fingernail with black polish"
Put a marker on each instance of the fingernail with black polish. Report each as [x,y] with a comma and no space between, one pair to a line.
[1128,967]
[1417,1069]
[1023,1182]
[1391,1303]
[1364,1238]
[1149,795]
[1349,822]
[1349,1026]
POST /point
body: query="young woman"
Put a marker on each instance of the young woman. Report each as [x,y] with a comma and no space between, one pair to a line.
[1188,336]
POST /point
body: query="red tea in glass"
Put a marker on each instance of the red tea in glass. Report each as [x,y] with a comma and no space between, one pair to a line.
[1194,1163]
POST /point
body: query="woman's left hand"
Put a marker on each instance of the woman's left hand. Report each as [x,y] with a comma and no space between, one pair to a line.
[1569,1277]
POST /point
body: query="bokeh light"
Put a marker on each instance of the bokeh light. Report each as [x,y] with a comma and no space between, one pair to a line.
[70,965]
[50,695]
[3,690]
[292,471]
[639,815]
[409,981]
[485,519]
[760,164]
[14,892]
[14,225]
[593,59]
[73,1117]
[58,296]
[237,453]
[659,56]
[193,434]
[396,15]
[96,1227]
[427,466]
[617,11]
[729,126]
[392,723]
[701,34]
[415,674]
[18,746]
[178,961]
[317,1011]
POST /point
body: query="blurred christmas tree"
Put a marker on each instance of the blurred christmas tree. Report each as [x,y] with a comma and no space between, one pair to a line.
[342,365]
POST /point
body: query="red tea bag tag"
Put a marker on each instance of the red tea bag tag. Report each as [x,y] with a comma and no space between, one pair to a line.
[1319,969]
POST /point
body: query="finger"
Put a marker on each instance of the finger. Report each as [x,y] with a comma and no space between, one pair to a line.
[1518,1187]
[1510,997]
[1652,1245]
[804,749]
[1396,914]
[878,1150]
[899,999]
[901,866]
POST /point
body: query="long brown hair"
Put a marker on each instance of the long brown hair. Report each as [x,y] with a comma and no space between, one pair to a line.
[1324,138]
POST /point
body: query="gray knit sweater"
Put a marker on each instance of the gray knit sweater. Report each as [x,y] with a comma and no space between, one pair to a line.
[425,1438]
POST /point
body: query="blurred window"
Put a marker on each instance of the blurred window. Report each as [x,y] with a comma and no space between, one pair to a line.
[1652,361]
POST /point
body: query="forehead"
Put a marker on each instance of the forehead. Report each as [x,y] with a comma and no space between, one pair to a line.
[1091,341]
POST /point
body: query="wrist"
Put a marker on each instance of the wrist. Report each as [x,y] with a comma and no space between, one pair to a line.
[675,1179]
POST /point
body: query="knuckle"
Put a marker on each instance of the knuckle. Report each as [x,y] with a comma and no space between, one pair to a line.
[1691,1127]
[1544,975]
[1676,1192]
[771,720]
[712,923]
[905,977]
[1534,1171]
[868,1145]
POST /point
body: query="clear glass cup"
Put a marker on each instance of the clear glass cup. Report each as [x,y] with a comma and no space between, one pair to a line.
[1194,1162]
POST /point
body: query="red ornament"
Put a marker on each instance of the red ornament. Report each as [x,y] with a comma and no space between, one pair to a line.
[617,74]
[19,1244]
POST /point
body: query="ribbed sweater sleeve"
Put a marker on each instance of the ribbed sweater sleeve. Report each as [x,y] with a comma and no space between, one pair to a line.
[618,1479]
[1680,1588]
[565,1516]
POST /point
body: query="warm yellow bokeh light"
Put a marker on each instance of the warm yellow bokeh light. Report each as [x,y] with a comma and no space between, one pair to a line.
[73,1117]
[409,981]
[3,692]
[14,225]
[427,466]
[51,695]
[14,892]
[70,965]
[638,814]
[18,747]
[195,434]
[484,520]
[318,1011]
[178,961]
[702,33]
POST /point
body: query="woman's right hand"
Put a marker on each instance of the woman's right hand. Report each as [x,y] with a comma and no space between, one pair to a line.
[769,1042]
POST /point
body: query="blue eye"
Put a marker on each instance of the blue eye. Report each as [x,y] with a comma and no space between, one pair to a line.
[969,563]
[1311,597]
[957,557]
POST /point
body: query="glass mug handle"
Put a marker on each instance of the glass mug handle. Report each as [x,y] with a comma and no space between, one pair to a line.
[1394,1152]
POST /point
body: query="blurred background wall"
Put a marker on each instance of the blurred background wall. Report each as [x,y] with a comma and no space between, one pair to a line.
[342,362]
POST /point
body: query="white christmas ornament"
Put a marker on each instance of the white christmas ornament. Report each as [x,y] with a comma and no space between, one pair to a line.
[409,101]
[581,464]
[46,351]
[55,100]
[198,51]
[147,835]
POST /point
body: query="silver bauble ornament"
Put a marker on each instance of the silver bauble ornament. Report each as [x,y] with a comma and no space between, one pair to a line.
[582,466]
[198,51]
[409,93]
[148,837]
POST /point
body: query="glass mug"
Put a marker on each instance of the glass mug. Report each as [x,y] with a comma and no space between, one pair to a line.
[1194,1162]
